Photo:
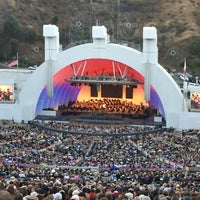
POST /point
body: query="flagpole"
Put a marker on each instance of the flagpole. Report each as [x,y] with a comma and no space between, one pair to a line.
[184,83]
[17,58]
[184,73]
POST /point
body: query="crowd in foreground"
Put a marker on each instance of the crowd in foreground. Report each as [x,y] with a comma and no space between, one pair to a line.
[53,163]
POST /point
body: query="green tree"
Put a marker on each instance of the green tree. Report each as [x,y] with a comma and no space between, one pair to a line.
[55,20]
[30,35]
[194,47]
[11,28]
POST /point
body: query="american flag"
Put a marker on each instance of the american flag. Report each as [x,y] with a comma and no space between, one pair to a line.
[13,63]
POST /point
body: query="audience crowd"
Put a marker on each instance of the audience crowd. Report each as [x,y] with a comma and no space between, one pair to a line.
[6,95]
[195,100]
[75,161]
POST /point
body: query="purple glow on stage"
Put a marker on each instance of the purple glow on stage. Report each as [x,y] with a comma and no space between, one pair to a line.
[156,102]
[63,93]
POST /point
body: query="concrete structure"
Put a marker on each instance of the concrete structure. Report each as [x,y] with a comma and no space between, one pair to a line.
[46,87]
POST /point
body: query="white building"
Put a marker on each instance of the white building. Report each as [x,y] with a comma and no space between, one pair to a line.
[46,87]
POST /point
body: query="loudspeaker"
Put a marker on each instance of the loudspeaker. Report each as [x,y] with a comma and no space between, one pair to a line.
[188,94]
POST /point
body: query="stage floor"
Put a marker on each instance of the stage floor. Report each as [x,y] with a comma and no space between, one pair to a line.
[94,118]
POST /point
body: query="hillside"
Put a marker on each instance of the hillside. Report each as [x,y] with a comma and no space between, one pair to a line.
[177,22]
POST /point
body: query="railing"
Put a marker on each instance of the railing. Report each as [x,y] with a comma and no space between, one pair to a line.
[41,126]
